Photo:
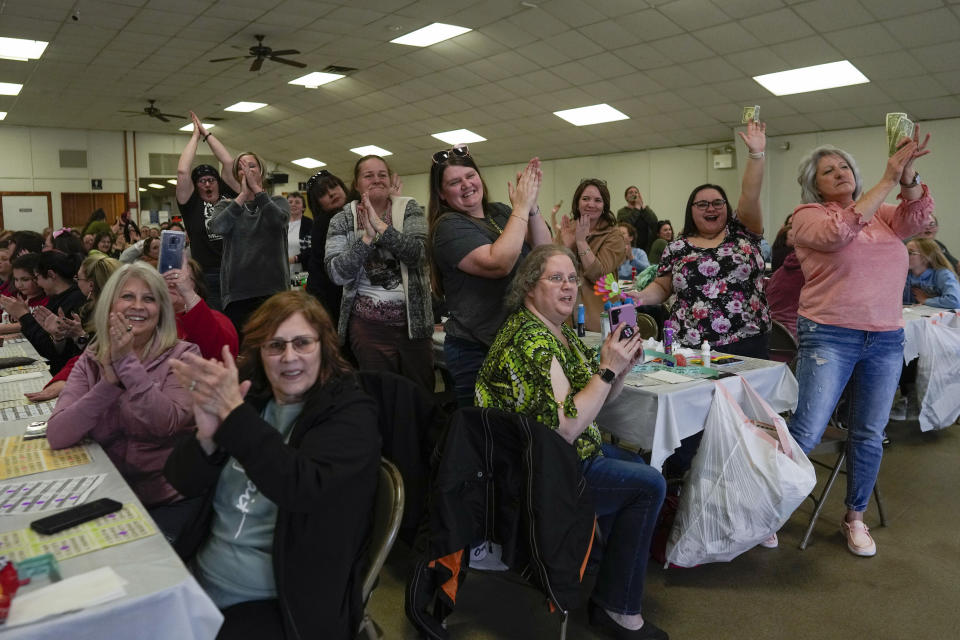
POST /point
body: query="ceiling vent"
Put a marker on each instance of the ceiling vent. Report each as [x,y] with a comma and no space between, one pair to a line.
[341,70]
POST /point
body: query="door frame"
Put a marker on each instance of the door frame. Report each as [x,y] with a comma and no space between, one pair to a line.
[29,193]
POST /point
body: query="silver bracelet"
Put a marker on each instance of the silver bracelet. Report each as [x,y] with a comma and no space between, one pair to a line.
[756,155]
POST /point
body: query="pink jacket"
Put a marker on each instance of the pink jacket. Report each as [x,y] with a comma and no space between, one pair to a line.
[136,424]
[854,270]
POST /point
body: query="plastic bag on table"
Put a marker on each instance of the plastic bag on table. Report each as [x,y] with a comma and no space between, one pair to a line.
[938,372]
[748,476]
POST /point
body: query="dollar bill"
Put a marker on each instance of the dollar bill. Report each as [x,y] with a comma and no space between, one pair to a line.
[750,113]
[898,126]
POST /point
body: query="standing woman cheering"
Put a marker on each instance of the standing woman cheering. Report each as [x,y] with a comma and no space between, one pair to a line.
[254,230]
[375,249]
[475,246]
[850,324]
[326,195]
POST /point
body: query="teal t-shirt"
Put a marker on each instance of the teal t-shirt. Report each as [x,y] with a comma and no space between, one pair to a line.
[236,563]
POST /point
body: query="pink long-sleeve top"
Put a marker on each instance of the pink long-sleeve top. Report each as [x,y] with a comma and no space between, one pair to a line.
[853,269]
[136,424]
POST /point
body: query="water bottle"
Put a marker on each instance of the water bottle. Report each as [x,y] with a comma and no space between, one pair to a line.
[581,321]
[705,353]
[605,321]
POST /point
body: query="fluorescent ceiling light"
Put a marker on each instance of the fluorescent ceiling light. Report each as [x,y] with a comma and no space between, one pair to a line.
[431,34]
[22,50]
[3,114]
[815,78]
[246,107]
[317,78]
[172,181]
[309,163]
[189,127]
[371,150]
[156,186]
[10,88]
[458,136]
[140,189]
[594,114]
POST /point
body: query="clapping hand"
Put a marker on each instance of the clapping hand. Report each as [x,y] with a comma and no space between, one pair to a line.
[568,232]
[14,306]
[121,336]
[214,387]
[364,214]
[71,327]
[396,184]
[50,322]
[528,186]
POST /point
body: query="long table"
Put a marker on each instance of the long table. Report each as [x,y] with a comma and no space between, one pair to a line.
[658,417]
[162,600]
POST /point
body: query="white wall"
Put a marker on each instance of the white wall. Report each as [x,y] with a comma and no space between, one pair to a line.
[31,161]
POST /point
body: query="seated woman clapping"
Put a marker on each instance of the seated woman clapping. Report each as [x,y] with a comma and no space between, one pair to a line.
[538,367]
[290,474]
[122,392]
[931,279]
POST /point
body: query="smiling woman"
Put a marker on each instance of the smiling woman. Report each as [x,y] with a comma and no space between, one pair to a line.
[375,249]
[592,233]
[123,394]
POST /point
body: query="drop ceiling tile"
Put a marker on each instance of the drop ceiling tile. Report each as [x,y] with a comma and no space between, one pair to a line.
[884,9]
[534,21]
[649,24]
[575,44]
[572,12]
[613,8]
[608,91]
[860,94]
[828,15]
[643,57]
[607,65]
[936,26]
[543,54]
[668,101]
[682,48]
[744,92]
[727,38]
[915,87]
[575,72]
[807,52]
[745,8]
[883,66]
[777,26]
[933,108]
[791,124]
[694,14]
[939,57]
[479,43]
[570,98]
[676,77]
[862,41]
[723,112]
[610,34]
[713,70]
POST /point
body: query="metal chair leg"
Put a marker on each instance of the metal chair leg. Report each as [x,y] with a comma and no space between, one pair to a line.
[565,616]
[880,510]
[823,496]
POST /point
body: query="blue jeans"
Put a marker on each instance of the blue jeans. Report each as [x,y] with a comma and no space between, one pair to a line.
[464,359]
[828,358]
[627,494]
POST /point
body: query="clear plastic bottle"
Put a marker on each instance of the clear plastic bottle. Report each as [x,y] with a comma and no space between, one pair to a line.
[605,321]
[705,353]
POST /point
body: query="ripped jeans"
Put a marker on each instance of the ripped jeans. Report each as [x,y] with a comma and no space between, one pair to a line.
[829,357]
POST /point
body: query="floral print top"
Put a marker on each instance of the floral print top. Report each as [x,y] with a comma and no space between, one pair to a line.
[720,291]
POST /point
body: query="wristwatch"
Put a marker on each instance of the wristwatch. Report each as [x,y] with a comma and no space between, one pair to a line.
[916,180]
[608,375]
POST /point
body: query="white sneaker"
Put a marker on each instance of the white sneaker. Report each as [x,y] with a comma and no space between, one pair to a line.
[771,543]
[859,540]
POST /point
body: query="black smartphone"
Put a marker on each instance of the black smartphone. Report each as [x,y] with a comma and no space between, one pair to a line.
[172,244]
[75,515]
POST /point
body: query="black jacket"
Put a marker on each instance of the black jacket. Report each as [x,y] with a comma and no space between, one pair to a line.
[324,485]
[509,479]
[69,301]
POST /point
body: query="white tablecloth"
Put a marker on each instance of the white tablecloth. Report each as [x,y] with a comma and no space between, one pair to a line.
[163,600]
[659,417]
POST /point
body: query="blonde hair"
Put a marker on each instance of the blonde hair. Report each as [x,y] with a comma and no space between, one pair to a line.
[165,335]
[236,165]
[932,253]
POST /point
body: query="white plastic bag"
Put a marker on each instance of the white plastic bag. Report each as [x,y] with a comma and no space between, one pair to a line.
[938,371]
[744,482]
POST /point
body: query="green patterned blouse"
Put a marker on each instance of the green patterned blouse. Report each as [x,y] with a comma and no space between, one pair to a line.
[516,374]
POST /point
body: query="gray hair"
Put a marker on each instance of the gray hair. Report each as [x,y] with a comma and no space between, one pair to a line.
[808,173]
[530,271]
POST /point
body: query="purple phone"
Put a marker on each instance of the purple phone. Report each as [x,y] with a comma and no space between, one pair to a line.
[625,314]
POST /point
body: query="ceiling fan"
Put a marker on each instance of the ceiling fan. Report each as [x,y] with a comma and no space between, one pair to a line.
[154,112]
[260,53]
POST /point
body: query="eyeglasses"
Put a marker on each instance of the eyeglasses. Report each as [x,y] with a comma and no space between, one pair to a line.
[914,253]
[558,278]
[459,151]
[703,205]
[206,180]
[301,344]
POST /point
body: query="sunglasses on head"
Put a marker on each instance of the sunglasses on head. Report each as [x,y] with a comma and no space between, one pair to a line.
[459,151]
[319,175]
